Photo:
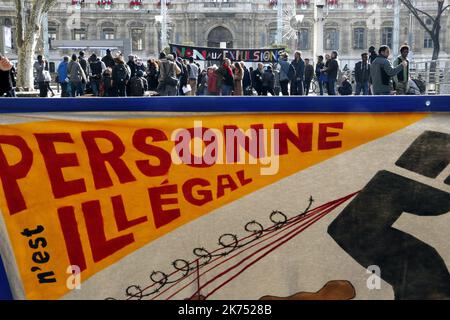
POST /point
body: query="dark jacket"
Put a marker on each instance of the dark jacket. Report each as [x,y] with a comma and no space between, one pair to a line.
[257,79]
[133,68]
[6,80]
[345,89]
[83,63]
[362,72]
[268,79]
[319,66]
[183,76]
[332,69]
[247,80]
[108,60]
[299,67]
[372,57]
[309,72]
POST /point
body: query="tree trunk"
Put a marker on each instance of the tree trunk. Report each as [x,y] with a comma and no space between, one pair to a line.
[436,50]
[25,71]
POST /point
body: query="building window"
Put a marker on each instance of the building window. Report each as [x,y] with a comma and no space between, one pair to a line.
[359,38]
[52,33]
[386,36]
[427,41]
[109,34]
[331,39]
[272,36]
[303,39]
[79,34]
[137,39]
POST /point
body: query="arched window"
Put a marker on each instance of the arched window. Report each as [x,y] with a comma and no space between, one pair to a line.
[220,35]
[331,39]
[427,41]
[53,31]
[386,36]
[79,33]
[303,36]
[109,34]
[137,39]
[108,31]
[359,38]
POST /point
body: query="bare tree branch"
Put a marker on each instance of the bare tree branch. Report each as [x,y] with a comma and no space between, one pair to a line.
[416,11]
[416,14]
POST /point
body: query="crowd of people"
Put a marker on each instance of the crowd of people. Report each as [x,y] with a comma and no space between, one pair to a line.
[169,75]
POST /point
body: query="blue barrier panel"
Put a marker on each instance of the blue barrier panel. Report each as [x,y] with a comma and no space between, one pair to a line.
[374,104]
[5,291]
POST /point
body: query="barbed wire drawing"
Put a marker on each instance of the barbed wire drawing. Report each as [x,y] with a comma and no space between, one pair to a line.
[235,255]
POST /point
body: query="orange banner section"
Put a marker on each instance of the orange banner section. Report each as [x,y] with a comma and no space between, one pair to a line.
[86,194]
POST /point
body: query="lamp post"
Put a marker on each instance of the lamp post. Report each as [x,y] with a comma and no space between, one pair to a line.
[318,27]
[396,33]
[162,18]
[279,22]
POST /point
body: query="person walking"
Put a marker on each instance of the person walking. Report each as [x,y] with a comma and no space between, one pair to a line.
[319,74]
[372,54]
[152,74]
[362,75]
[193,76]
[268,82]
[213,89]
[169,70]
[247,80]
[133,69]
[299,67]
[276,74]
[203,83]
[238,78]
[309,75]
[332,71]
[120,77]
[76,77]
[287,73]
[40,67]
[108,59]
[401,79]
[382,72]
[226,75]
[63,78]
[183,77]
[85,66]
[96,69]
[257,78]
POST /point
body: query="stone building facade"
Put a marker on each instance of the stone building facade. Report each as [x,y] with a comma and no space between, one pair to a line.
[350,26]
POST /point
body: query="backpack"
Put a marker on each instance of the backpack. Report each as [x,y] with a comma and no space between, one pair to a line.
[136,87]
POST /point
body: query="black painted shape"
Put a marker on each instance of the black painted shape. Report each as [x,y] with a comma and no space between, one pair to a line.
[364,230]
[428,155]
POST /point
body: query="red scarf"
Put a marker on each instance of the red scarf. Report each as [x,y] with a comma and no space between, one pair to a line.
[230,72]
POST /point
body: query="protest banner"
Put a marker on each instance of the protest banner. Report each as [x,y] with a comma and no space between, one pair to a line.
[147,204]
